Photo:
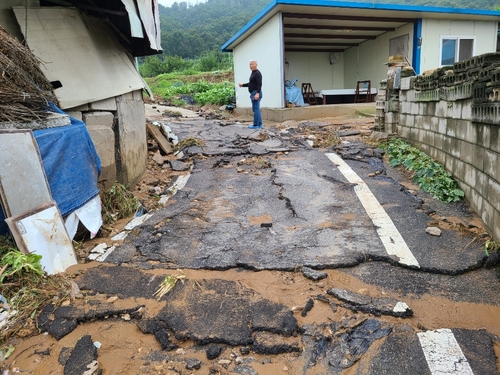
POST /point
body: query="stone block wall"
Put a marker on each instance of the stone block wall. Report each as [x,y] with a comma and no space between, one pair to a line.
[117,127]
[453,115]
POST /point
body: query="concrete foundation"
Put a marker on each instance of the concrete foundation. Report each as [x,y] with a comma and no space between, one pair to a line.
[309,112]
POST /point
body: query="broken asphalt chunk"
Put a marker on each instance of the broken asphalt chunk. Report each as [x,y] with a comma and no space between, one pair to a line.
[213,351]
[179,166]
[83,355]
[270,343]
[313,274]
[159,330]
[351,345]
[375,306]
[61,321]
[309,305]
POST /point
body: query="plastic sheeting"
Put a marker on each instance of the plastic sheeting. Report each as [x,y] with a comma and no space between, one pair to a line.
[294,93]
[71,165]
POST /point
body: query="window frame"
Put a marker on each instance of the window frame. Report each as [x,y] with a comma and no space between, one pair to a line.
[457,38]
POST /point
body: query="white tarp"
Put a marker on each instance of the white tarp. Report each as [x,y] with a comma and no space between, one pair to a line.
[81,53]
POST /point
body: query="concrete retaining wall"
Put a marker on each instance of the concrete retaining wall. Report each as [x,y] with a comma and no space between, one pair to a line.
[454,117]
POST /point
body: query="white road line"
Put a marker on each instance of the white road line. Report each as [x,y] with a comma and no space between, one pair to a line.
[391,238]
[443,354]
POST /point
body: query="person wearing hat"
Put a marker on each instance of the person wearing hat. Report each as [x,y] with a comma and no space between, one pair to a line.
[254,85]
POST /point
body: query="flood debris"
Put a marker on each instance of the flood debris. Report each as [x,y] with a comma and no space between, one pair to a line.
[351,345]
[341,344]
[371,305]
[168,284]
[313,274]
[309,305]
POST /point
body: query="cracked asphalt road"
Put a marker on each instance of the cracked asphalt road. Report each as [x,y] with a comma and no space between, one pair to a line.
[269,205]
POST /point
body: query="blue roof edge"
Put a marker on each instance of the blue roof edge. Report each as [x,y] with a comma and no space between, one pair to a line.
[252,22]
[355,5]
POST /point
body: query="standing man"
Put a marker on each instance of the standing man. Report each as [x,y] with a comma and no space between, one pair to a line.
[255,89]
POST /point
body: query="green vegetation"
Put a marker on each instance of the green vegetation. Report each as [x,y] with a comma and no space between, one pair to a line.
[203,88]
[26,288]
[209,61]
[430,176]
[118,203]
[491,246]
[14,262]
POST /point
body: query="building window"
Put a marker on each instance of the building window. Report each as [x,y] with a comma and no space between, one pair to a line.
[454,48]
[399,45]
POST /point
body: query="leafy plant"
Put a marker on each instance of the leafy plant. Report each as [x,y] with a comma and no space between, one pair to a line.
[26,289]
[16,262]
[118,203]
[491,246]
[430,176]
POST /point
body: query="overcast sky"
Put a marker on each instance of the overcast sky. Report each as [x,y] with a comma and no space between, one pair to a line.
[168,3]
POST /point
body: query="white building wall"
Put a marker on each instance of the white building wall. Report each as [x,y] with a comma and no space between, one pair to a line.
[315,68]
[368,60]
[485,34]
[264,45]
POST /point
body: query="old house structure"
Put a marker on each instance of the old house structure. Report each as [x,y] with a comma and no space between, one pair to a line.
[87,51]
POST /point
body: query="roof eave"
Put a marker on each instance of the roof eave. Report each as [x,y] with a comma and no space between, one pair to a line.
[271,8]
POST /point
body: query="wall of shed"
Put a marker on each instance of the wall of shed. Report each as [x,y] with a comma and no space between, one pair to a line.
[315,68]
[7,19]
[454,118]
[485,34]
[367,61]
[264,45]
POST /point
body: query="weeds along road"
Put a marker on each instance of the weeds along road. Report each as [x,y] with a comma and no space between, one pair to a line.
[278,257]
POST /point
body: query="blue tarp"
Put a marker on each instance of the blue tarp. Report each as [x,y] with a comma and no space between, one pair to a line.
[71,165]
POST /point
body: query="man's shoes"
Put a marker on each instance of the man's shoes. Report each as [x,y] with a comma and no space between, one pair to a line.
[255,127]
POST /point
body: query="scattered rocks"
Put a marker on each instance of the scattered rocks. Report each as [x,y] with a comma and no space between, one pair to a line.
[158,158]
[309,305]
[193,364]
[433,231]
[213,351]
[245,350]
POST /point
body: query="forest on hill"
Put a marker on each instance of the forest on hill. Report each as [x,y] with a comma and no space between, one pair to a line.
[189,32]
